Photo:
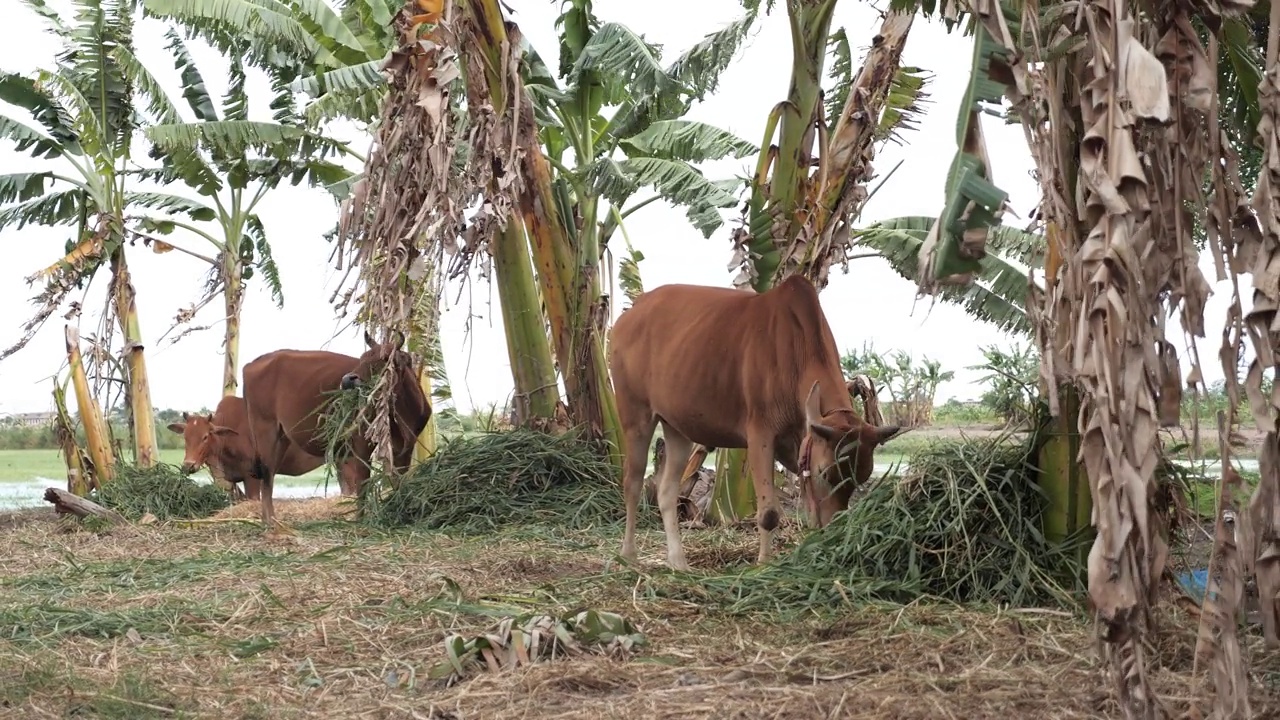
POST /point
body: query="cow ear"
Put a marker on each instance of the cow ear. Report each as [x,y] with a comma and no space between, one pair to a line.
[178,427]
[826,432]
[368,340]
[885,433]
[220,430]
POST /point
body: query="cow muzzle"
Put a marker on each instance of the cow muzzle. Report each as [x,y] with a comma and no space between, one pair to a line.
[188,467]
[349,381]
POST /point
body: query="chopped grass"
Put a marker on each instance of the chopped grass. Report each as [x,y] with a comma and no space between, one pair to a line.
[479,484]
[163,491]
[963,525]
[45,622]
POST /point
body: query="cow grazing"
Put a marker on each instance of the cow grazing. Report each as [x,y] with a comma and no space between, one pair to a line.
[221,441]
[286,392]
[737,369]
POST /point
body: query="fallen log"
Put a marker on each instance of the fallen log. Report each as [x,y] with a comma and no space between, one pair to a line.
[69,503]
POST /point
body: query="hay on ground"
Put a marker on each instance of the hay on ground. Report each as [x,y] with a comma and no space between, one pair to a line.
[163,491]
[340,616]
[480,483]
[290,510]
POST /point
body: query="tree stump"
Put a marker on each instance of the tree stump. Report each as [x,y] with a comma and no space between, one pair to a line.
[69,503]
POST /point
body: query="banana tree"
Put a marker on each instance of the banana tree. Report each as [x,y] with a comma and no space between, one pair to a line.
[1119,245]
[798,220]
[85,110]
[336,58]
[336,53]
[643,144]
[998,293]
[232,163]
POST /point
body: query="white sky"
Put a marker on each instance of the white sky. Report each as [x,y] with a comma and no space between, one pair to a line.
[871,303]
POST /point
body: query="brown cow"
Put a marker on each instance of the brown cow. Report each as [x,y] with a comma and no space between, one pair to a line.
[286,392]
[221,441]
[733,369]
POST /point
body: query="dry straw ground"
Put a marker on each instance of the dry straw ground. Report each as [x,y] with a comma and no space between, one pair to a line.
[214,620]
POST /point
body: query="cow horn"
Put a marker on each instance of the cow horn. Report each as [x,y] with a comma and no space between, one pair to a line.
[368,339]
[885,433]
[813,406]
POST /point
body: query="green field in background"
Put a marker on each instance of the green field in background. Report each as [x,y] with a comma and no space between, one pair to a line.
[20,466]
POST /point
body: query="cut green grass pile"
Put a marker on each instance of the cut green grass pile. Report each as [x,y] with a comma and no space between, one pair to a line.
[163,491]
[485,482]
[963,525]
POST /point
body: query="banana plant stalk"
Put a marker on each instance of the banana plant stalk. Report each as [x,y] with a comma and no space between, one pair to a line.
[95,431]
[532,368]
[426,445]
[144,429]
[570,285]
[233,301]
[528,348]
[77,472]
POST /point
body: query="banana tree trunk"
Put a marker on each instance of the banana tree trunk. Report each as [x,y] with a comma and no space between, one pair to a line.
[95,429]
[233,303]
[77,473]
[599,408]
[144,430]
[426,445]
[424,343]
[532,368]
[233,300]
[570,286]
[1069,504]
[733,497]
[527,345]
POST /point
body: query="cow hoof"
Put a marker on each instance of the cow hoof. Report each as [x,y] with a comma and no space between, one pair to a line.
[275,528]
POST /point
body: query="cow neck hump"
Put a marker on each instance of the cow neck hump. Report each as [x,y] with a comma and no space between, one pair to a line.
[800,328]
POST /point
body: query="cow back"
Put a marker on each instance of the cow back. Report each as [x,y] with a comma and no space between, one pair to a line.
[288,389]
[709,360]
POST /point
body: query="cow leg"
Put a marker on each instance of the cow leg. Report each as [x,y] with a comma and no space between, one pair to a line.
[403,459]
[264,469]
[357,465]
[252,487]
[760,458]
[349,477]
[679,448]
[636,438]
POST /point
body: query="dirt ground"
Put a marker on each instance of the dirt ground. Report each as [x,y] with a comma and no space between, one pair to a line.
[216,620]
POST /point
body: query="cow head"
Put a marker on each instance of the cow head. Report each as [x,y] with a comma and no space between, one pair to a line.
[199,436]
[374,359]
[840,447]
